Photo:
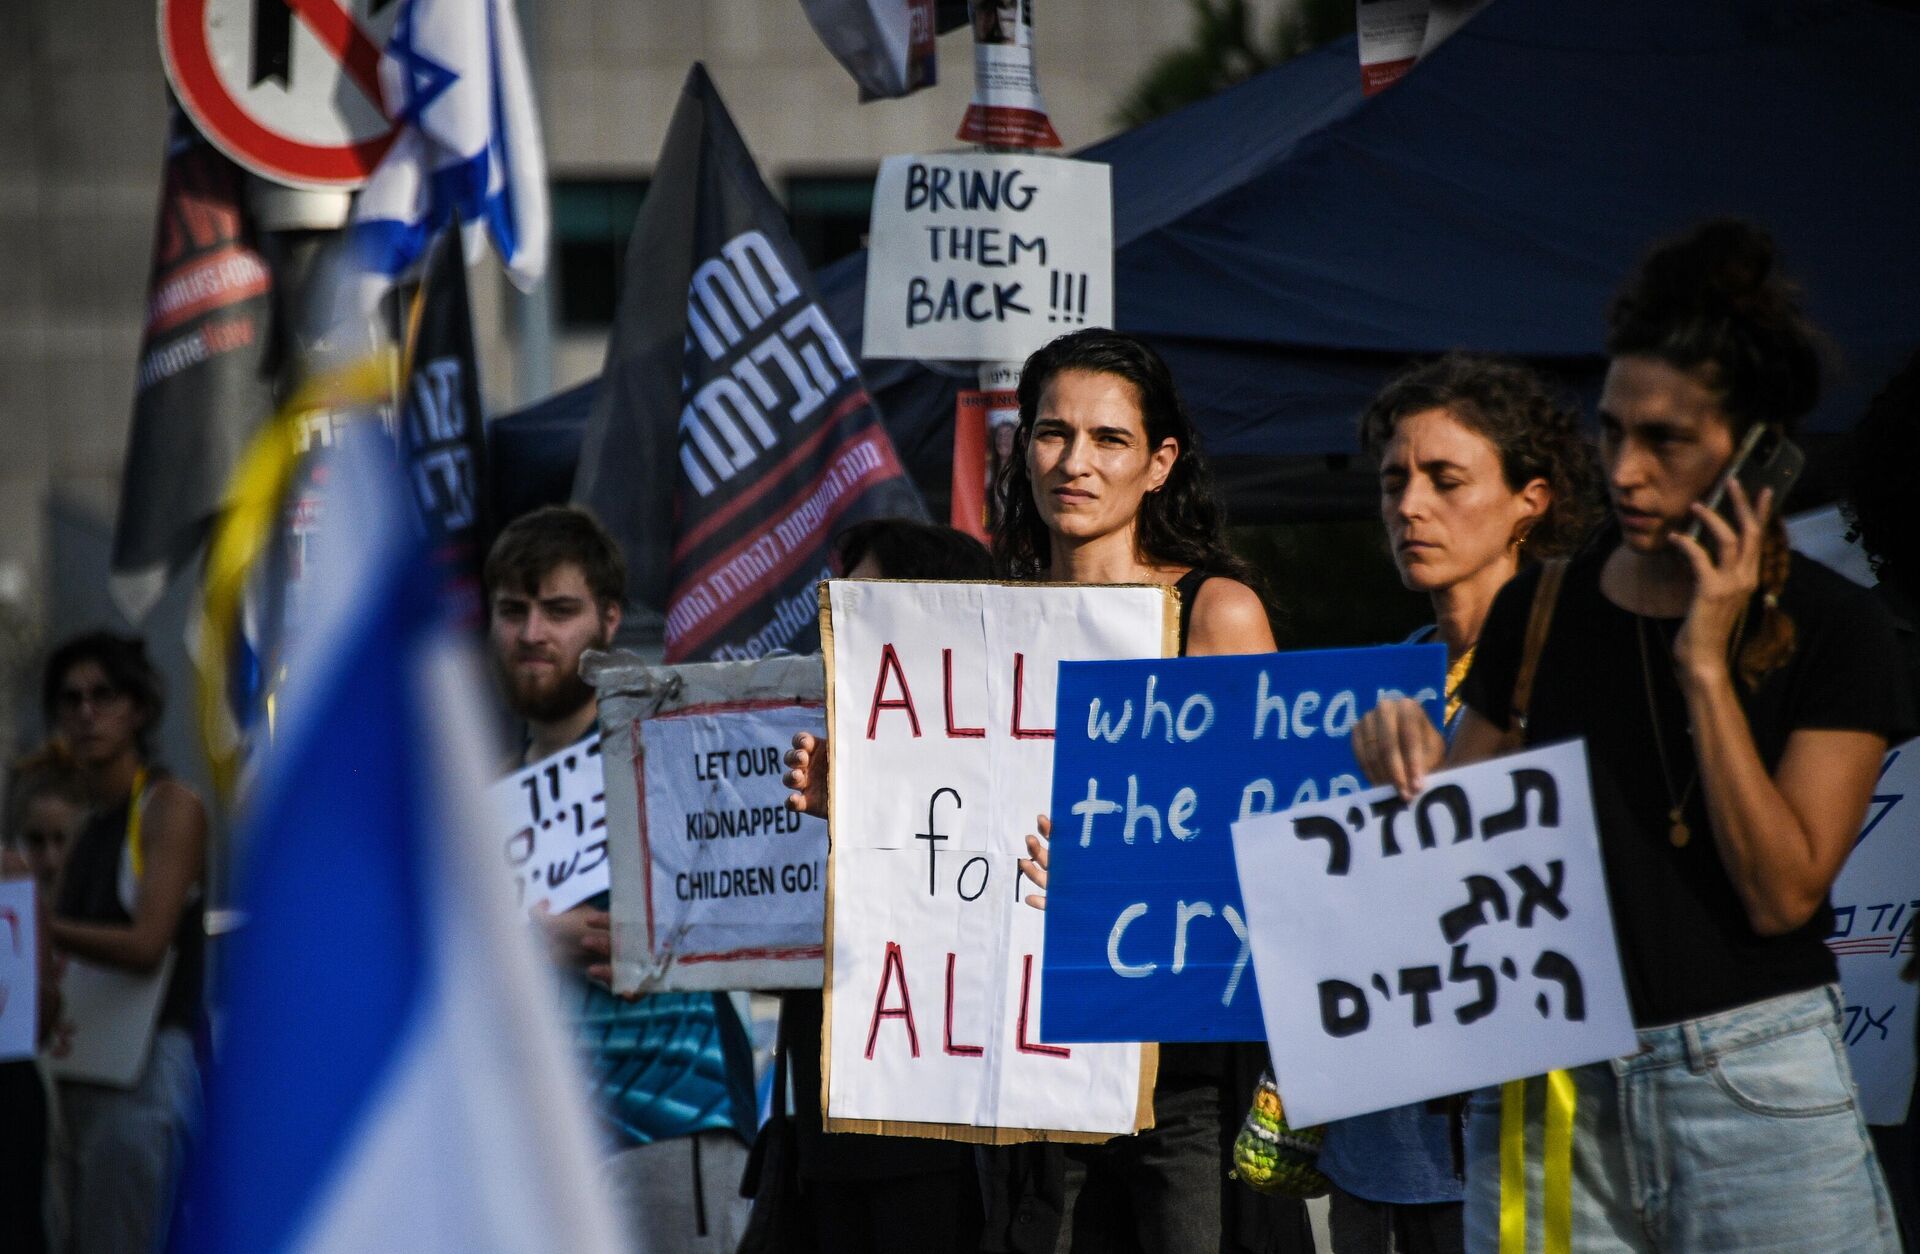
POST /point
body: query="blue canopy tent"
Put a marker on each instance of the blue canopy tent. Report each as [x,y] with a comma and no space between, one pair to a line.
[1289,243]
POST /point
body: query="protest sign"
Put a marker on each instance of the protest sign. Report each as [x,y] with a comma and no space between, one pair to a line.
[1390,34]
[1875,903]
[887,45]
[19,970]
[107,1022]
[1007,111]
[1411,950]
[553,827]
[716,884]
[1154,761]
[940,708]
[986,255]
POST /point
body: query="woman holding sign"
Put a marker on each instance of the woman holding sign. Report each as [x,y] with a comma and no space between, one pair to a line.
[1106,485]
[1735,703]
[1482,471]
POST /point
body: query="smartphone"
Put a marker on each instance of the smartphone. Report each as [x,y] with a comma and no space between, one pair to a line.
[1765,459]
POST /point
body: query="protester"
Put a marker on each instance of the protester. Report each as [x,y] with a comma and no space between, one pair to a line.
[1482,471]
[672,1071]
[1886,449]
[46,803]
[1108,485]
[129,894]
[1734,701]
[861,1194]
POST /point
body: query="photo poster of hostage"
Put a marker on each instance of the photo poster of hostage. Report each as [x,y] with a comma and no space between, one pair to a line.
[986,256]
[940,708]
[731,435]
[1007,111]
[716,884]
[1876,902]
[1153,763]
[1408,951]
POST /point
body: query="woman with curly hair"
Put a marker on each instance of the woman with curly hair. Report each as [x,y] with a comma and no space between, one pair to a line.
[1735,704]
[1483,471]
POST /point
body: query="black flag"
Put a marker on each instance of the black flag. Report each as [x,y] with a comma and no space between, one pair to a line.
[205,369]
[442,438]
[731,435]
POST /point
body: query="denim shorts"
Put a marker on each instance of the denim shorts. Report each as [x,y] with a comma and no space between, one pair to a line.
[1737,1133]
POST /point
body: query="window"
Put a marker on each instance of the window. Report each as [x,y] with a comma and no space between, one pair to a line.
[829,213]
[592,221]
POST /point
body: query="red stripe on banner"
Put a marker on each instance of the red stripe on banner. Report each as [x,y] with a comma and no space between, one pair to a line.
[741,955]
[737,707]
[731,510]
[1006,127]
[226,276]
[640,791]
[1381,75]
[715,595]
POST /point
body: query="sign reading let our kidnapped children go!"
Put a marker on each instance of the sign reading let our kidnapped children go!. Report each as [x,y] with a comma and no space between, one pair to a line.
[1412,949]
[941,710]
[1154,761]
[977,256]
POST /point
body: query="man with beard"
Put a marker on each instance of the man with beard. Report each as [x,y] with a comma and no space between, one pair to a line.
[672,1072]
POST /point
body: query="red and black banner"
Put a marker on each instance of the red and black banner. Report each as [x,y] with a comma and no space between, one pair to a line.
[731,435]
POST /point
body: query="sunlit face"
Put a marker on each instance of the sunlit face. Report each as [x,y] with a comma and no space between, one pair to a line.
[98,720]
[1446,504]
[538,641]
[1665,441]
[46,830]
[1088,455]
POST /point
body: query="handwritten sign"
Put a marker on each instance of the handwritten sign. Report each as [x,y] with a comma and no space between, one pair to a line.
[986,255]
[1153,763]
[716,884]
[941,706]
[1411,950]
[1876,902]
[19,970]
[554,818]
[107,1022]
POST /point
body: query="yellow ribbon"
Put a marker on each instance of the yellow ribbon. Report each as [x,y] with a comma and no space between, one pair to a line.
[1556,1186]
[136,805]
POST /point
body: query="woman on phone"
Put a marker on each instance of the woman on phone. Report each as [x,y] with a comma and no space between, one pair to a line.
[1107,485]
[1735,703]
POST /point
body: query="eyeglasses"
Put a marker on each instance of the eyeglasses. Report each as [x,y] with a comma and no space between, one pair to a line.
[72,700]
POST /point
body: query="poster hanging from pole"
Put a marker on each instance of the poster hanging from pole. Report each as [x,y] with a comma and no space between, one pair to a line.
[1007,111]
[716,884]
[940,708]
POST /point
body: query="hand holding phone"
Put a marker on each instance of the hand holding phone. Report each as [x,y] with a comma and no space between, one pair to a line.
[1766,459]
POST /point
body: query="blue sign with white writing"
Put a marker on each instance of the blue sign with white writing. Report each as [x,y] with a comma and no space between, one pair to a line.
[1154,761]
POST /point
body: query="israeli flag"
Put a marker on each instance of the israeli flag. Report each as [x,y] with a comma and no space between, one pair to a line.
[389,1073]
[455,81]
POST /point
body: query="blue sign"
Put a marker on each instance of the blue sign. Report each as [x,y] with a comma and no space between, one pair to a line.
[1154,761]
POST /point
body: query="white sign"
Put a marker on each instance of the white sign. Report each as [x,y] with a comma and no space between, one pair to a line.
[553,827]
[19,970]
[986,255]
[1409,951]
[942,733]
[1876,903]
[107,1021]
[716,884]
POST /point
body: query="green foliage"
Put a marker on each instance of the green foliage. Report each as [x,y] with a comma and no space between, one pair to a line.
[1225,47]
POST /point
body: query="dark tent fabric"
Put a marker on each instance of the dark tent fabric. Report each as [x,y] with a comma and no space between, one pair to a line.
[1289,243]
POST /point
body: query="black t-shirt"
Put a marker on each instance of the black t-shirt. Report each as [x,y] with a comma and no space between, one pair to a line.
[1685,942]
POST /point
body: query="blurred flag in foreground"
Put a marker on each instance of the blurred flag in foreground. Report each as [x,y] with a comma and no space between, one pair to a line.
[389,1075]
[455,79]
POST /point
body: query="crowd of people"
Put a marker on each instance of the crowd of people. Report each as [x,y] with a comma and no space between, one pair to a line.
[1736,700]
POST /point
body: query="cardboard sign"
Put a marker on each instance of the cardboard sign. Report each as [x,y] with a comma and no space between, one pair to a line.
[1411,950]
[941,704]
[554,816]
[1876,902]
[986,255]
[716,884]
[1153,763]
[107,1021]
[19,970]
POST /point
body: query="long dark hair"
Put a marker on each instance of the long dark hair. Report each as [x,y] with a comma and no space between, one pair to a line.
[1180,524]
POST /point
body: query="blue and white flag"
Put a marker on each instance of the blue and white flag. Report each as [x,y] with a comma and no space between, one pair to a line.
[390,1073]
[455,80]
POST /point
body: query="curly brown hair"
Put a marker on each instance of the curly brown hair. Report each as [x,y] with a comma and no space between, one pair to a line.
[1534,429]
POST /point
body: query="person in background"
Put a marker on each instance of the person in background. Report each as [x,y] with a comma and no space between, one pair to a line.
[46,804]
[1735,704]
[672,1071]
[129,894]
[1483,471]
[1886,451]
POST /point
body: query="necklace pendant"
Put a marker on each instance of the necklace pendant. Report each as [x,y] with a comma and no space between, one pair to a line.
[1678,834]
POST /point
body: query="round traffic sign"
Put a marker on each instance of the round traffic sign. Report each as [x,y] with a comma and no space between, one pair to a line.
[290,89]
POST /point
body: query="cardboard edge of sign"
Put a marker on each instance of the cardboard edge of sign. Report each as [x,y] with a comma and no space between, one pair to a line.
[973,1134]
